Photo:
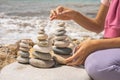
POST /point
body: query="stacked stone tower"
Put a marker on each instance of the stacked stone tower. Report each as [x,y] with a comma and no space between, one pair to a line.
[41,54]
[61,43]
[24,52]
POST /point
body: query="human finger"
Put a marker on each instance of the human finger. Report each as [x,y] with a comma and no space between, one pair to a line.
[76,62]
[73,57]
[59,9]
[53,13]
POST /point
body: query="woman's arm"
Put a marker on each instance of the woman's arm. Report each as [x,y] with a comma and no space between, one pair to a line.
[96,24]
[107,43]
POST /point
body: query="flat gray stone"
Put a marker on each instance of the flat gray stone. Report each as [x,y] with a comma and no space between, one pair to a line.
[24,49]
[60,28]
[42,49]
[22,60]
[23,54]
[42,37]
[63,51]
[60,38]
[43,56]
[61,44]
[60,33]
[24,45]
[16,71]
[41,32]
[41,63]
[43,43]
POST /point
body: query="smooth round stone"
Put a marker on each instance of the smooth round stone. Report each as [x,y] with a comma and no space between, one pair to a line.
[61,24]
[25,45]
[61,44]
[41,28]
[60,33]
[24,49]
[42,49]
[42,56]
[64,51]
[60,29]
[60,38]
[41,32]
[23,54]
[43,43]
[42,36]
[22,60]
[16,71]
[42,63]
[26,41]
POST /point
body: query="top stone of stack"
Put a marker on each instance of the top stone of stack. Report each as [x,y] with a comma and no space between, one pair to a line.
[61,24]
[41,35]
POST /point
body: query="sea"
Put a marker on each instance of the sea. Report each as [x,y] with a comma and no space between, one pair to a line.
[21,19]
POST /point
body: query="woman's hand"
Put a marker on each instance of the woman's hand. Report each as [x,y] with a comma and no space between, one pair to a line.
[81,52]
[62,13]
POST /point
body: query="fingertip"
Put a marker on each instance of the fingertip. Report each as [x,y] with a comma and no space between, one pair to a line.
[53,17]
[68,60]
[71,64]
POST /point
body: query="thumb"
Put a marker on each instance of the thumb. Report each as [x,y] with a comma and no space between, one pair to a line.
[70,59]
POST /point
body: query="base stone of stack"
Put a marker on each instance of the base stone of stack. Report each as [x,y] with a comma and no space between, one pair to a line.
[16,71]
[42,63]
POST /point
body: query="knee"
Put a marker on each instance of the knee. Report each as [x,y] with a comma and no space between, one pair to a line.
[99,70]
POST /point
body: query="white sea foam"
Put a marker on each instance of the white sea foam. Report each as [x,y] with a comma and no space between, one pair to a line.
[14,28]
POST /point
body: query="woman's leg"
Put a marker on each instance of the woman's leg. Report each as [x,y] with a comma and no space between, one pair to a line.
[104,64]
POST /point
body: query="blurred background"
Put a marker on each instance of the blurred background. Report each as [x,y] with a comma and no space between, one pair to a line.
[20,19]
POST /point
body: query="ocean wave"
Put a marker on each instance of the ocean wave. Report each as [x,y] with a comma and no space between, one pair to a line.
[14,28]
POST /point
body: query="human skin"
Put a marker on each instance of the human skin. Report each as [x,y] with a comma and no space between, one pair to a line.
[96,24]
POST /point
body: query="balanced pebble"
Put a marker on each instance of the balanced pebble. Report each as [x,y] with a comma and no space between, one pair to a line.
[24,49]
[41,32]
[23,60]
[60,33]
[41,28]
[24,41]
[42,37]
[42,63]
[42,49]
[63,51]
[43,43]
[25,45]
[62,44]
[60,38]
[23,54]
[60,29]
[42,56]
[61,24]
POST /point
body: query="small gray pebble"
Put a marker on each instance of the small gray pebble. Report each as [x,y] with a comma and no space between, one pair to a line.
[22,60]
[23,54]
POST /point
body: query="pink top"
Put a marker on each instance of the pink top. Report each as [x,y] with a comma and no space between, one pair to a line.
[112,23]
